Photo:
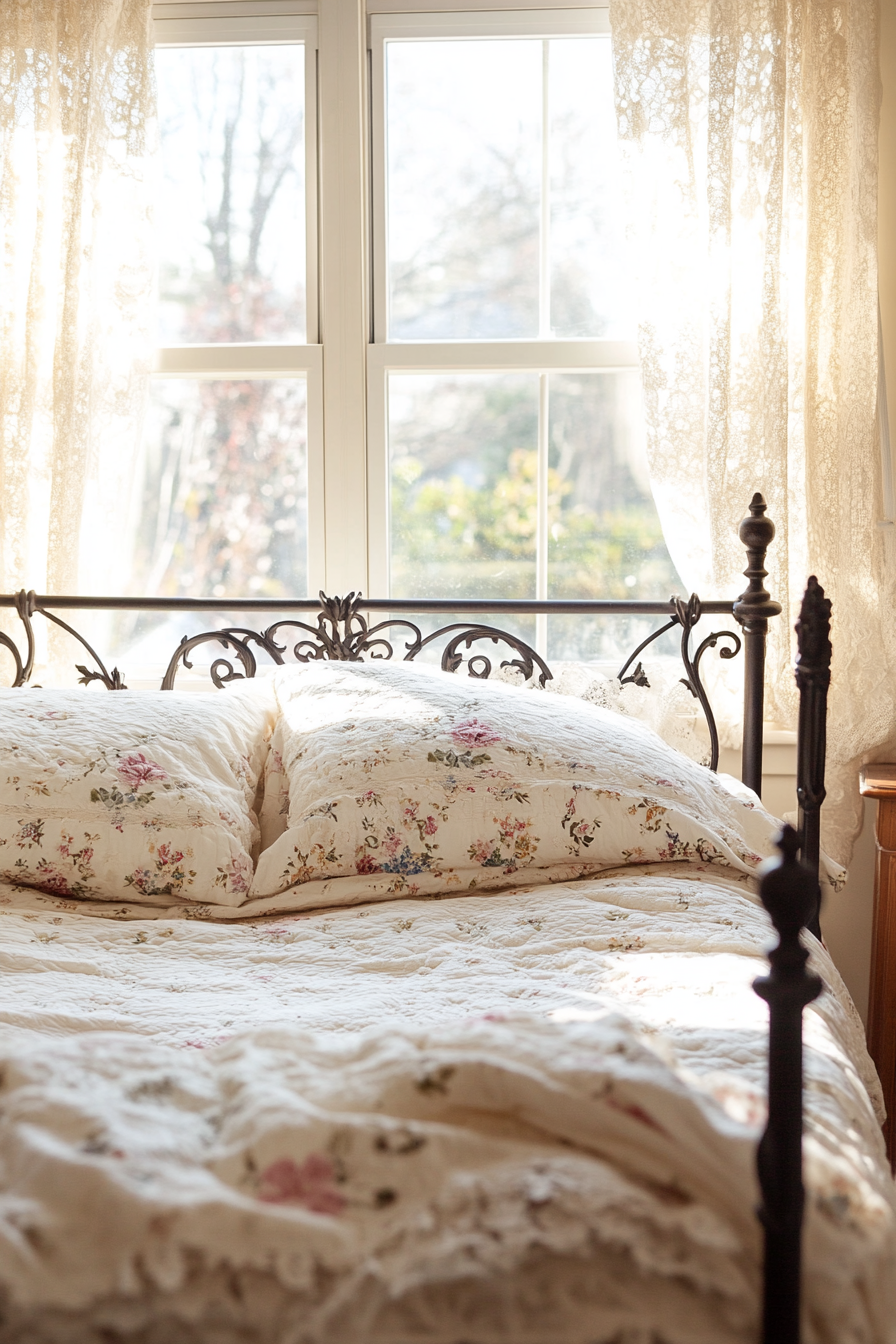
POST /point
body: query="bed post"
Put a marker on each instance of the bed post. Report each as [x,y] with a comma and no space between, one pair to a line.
[813,677]
[752,610]
[788,892]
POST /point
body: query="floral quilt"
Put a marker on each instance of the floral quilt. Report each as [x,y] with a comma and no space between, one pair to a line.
[520,1118]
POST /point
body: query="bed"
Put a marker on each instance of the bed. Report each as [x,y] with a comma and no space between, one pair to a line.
[367,1002]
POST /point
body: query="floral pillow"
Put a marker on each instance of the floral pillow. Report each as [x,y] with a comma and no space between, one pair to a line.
[421,782]
[134,796]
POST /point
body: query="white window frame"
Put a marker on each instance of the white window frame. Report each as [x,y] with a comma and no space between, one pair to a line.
[347,369]
[270,23]
[543,356]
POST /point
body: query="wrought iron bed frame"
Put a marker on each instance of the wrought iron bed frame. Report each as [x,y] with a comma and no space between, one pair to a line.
[789,889]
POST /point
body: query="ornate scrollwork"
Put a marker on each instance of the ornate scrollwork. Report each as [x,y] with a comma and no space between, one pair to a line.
[222,671]
[25,607]
[639,676]
[480,665]
[687,615]
[113,681]
[342,634]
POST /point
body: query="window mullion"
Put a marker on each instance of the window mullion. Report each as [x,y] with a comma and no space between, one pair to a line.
[544,249]
[344,298]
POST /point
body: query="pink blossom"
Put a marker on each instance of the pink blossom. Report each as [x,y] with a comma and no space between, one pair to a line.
[240,873]
[168,855]
[311,1184]
[53,881]
[137,770]
[365,863]
[392,844]
[472,733]
[430,826]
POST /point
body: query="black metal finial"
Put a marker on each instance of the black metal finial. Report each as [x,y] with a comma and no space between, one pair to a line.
[788,891]
[753,610]
[813,677]
[755,604]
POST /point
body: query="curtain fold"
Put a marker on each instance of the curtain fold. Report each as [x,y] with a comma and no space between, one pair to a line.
[76,278]
[749,136]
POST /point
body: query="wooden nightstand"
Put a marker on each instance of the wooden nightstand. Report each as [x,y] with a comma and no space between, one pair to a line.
[879,781]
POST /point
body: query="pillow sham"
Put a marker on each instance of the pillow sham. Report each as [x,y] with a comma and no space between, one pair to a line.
[136,796]
[421,781]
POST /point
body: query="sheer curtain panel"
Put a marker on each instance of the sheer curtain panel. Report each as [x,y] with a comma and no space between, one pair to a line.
[749,132]
[76,99]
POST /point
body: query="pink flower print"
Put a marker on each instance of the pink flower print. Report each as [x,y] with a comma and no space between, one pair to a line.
[168,855]
[392,844]
[430,826]
[137,770]
[365,863]
[32,832]
[480,851]
[472,733]
[240,872]
[50,880]
[311,1184]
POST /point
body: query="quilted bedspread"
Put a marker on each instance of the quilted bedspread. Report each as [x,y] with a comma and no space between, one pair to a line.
[522,1118]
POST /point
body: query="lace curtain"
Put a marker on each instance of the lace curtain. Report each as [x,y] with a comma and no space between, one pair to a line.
[76,97]
[749,136]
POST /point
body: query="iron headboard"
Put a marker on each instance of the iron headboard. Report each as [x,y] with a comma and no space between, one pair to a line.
[343,631]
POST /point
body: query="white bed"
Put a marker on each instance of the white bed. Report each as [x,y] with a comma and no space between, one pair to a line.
[519,1115]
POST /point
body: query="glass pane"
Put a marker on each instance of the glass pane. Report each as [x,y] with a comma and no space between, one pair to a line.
[590,294]
[605,539]
[463,188]
[231,210]
[463,455]
[479,134]
[224,510]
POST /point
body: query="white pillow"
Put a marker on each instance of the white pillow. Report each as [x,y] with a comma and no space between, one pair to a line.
[136,796]
[423,782]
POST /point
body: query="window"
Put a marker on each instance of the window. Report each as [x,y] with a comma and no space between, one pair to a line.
[236,400]
[395,352]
